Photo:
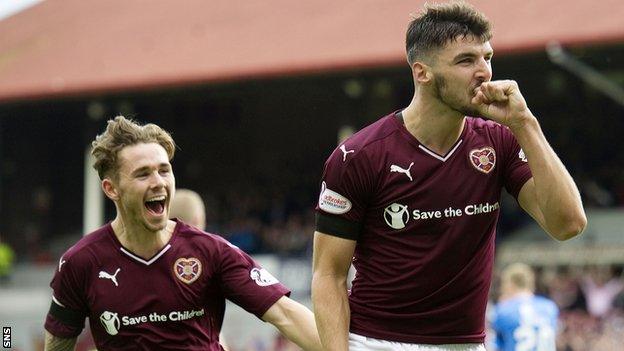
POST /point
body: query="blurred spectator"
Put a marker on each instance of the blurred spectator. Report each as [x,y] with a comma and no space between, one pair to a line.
[582,332]
[562,286]
[7,257]
[521,319]
[243,232]
[578,329]
[188,206]
[595,195]
[290,238]
[601,288]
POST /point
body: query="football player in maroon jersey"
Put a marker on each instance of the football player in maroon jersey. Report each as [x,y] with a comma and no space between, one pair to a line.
[150,283]
[412,200]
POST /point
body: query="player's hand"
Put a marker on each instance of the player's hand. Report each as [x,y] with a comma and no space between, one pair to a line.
[501,101]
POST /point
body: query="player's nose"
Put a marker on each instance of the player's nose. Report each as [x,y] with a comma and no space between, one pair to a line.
[158,181]
[484,70]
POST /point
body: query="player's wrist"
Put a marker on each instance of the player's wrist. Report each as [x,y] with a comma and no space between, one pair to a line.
[523,122]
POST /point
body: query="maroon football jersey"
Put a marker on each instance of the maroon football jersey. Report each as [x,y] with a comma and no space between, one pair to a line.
[174,301]
[424,225]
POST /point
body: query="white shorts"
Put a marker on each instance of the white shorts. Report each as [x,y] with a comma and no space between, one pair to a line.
[364,343]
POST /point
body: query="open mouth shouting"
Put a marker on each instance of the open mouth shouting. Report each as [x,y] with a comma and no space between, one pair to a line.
[156,205]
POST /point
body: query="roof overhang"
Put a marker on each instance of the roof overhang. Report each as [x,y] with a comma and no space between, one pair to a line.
[71,47]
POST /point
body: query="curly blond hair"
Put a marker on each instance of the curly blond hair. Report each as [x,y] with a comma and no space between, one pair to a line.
[121,132]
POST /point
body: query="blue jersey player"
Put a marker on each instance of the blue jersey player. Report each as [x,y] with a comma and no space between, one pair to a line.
[523,321]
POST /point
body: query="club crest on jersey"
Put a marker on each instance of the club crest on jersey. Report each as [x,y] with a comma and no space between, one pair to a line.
[483,159]
[187,269]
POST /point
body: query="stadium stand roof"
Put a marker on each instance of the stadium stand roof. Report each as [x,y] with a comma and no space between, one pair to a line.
[74,47]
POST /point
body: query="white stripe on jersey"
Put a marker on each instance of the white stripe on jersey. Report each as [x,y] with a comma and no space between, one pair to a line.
[443,159]
[57,301]
[162,252]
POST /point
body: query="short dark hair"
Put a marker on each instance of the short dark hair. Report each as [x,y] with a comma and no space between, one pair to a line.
[121,132]
[439,24]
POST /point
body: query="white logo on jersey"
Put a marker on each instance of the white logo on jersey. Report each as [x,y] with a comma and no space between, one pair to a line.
[396,216]
[522,156]
[112,277]
[332,202]
[395,168]
[61,261]
[110,322]
[345,152]
[262,277]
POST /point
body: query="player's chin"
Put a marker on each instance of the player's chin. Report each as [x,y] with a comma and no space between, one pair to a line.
[156,222]
[155,226]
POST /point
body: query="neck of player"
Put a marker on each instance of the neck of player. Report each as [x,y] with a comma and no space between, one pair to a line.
[139,240]
[433,124]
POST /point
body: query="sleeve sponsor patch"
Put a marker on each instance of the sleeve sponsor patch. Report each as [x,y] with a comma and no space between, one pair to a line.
[262,277]
[332,202]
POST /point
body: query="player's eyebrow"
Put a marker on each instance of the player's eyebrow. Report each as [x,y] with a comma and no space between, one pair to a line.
[463,55]
[147,168]
[140,170]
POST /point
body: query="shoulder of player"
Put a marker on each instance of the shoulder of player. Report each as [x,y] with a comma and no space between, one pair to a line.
[365,139]
[86,249]
[479,125]
[503,306]
[489,129]
[546,301]
[201,238]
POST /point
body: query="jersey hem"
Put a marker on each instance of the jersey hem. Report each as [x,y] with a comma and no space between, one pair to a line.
[420,339]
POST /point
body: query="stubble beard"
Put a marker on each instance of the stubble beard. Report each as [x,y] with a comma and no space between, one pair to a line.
[441,93]
[135,216]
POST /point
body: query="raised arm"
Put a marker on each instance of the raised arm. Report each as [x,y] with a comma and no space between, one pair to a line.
[331,262]
[551,196]
[54,343]
[295,321]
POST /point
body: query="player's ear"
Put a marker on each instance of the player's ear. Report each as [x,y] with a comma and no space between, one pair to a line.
[421,72]
[110,189]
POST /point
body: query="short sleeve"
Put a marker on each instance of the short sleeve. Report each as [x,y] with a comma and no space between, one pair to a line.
[345,191]
[246,283]
[517,171]
[68,308]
